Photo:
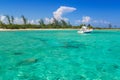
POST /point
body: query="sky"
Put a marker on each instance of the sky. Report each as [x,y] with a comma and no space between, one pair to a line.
[95,12]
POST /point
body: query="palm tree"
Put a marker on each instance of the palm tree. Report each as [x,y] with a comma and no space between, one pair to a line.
[41,22]
[1,23]
[56,23]
[109,26]
[24,20]
[8,18]
[12,19]
[89,26]
[69,25]
[64,23]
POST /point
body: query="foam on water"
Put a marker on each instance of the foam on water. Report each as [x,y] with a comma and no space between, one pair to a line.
[60,55]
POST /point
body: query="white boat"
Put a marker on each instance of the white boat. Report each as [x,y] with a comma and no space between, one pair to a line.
[84,29]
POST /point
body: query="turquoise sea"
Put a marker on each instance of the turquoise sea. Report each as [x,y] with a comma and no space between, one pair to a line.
[60,55]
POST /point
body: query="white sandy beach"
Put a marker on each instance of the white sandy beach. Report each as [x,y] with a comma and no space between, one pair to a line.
[32,29]
[46,29]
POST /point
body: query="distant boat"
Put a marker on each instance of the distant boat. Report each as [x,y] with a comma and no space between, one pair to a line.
[84,29]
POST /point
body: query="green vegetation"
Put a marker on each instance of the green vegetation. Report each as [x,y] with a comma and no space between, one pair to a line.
[24,20]
[55,24]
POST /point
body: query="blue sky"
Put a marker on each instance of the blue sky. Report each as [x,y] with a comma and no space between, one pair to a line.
[97,12]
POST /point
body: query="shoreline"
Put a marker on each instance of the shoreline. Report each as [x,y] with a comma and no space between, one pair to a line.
[33,29]
[46,29]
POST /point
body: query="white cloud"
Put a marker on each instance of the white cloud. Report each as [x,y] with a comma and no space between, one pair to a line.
[18,20]
[62,10]
[3,18]
[58,14]
[49,20]
[86,19]
[31,21]
[100,22]
[78,21]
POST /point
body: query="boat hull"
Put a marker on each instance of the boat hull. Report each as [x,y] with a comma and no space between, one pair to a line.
[87,31]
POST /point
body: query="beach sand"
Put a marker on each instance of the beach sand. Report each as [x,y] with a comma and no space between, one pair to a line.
[32,29]
[47,29]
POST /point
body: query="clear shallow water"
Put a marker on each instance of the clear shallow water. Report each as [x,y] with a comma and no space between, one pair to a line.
[60,55]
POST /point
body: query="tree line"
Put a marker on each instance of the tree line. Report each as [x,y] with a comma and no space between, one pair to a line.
[55,24]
